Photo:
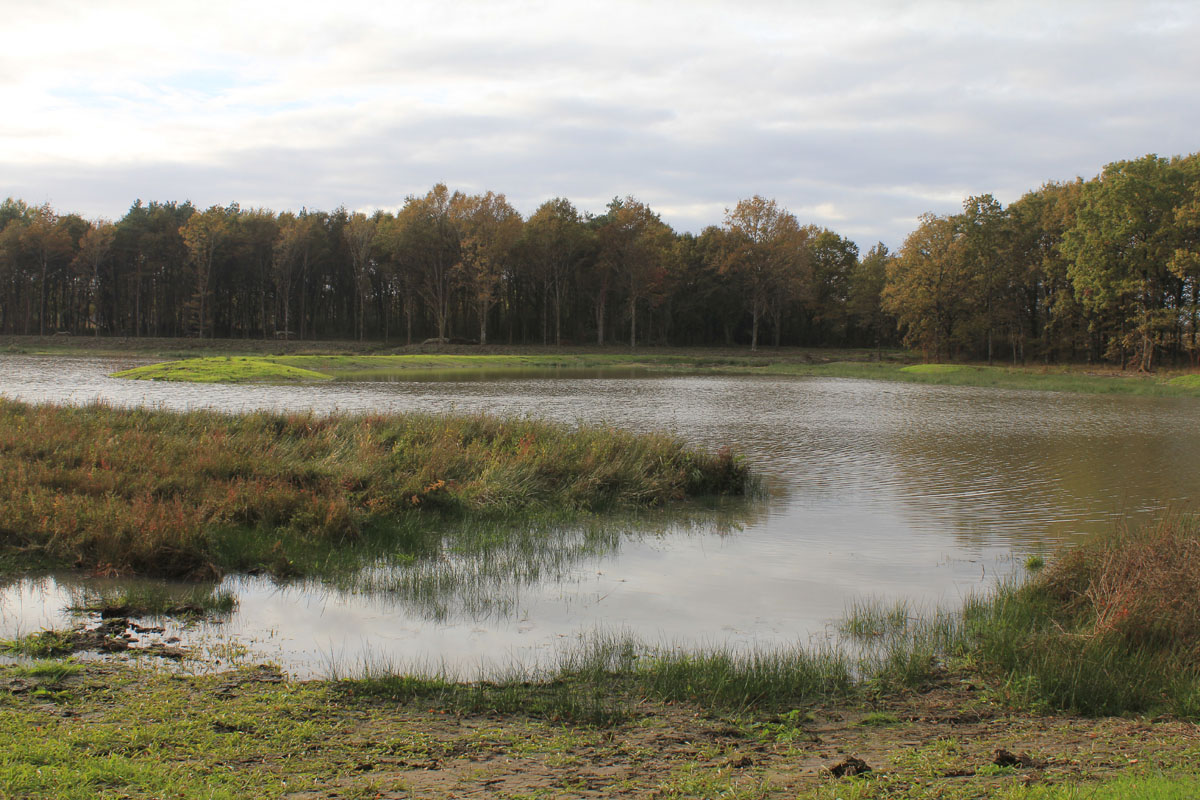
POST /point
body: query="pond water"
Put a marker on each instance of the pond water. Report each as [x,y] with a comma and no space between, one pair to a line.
[877,490]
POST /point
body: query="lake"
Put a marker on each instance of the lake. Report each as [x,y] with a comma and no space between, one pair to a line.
[876,490]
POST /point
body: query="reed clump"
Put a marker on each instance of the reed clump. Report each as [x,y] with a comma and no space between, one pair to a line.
[1112,626]
[606,678]
[140,491]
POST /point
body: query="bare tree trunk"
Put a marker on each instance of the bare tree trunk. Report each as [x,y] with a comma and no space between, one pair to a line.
[599,307]
[633,322]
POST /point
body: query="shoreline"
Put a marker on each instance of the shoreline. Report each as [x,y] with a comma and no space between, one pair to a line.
[288,361]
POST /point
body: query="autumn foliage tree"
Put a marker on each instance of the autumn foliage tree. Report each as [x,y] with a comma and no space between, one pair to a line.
[204,234]
[765,253]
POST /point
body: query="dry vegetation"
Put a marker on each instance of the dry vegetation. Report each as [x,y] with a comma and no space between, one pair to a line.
[155,492]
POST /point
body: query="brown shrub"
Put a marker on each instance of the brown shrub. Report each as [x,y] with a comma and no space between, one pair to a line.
[1139,584]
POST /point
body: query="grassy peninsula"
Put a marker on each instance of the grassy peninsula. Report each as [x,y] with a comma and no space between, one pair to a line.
[467,366]
[138,491]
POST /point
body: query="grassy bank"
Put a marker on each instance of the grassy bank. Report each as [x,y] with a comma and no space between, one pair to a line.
[155,492]
[664,729]
[313,368]
[1073,684]
[280,361]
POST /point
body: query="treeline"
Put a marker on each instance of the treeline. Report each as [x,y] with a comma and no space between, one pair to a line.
[1104,269]
[447,265]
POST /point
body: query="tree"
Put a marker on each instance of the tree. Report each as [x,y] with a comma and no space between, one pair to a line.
[634,243]
[555,241]
[290,256]
[982,233]
[865,300]
[428,233]
[765,251]
[203,234]
[50,245]
[833,260]
[255,233]
[928,287]
[94,249]
[489,228]
[360,234]
[1185,260]
[1045,307]
[1119,249]
[14,217]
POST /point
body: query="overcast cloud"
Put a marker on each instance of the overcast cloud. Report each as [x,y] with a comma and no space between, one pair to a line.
[855,115]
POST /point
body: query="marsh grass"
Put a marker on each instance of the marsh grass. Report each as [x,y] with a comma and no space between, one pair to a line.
[40,645]
[47,673]
[1111,626]
[476,569]
[870,617]
[154,599]
[604,678]
[139,491]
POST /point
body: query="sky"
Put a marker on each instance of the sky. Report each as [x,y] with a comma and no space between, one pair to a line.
[857,116]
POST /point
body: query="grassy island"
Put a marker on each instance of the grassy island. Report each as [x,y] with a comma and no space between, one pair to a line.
[817,364]
[154,492]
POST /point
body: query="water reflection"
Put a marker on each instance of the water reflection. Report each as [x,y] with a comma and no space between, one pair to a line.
[488,375]
[888,490]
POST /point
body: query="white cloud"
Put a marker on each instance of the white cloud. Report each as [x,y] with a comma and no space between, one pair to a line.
[862,114]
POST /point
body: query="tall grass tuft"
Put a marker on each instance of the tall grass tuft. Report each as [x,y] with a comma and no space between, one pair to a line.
[1112,626]
[899,648]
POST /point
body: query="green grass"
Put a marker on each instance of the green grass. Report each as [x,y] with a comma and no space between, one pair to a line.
[1185,381]
[604,679]
[194,494]
[223,369]
[43,644]
[933,369]
[1132,787]
[48,673]
[1045,379]
[879,719]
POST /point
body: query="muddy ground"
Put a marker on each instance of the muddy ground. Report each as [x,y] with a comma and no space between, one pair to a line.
[254,733]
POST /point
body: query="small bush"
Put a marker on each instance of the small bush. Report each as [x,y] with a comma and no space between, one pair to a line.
[1111,626]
